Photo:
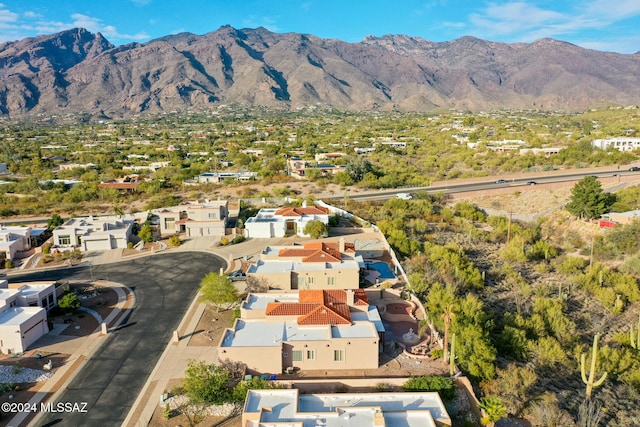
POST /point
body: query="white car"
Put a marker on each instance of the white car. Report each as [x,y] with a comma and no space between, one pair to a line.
[404,196]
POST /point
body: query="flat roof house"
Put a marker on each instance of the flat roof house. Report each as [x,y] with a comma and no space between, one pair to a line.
[271,222]
[320,329]
[197,218]
[316,265]
[94,233]
[272,408]
[23,314]
[13,241]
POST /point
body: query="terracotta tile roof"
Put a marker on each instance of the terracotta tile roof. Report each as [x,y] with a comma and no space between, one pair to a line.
[360,297]
[319,252]
[288,309]
[315,210]
[323,315]
[316,307]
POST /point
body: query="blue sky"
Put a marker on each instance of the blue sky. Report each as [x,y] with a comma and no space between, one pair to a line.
[609,25]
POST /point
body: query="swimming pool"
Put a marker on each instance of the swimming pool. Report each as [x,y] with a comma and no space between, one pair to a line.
[382,268]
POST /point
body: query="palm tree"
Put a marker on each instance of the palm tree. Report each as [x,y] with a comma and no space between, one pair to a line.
[447,317]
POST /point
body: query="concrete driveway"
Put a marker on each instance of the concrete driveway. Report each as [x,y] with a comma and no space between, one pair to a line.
[165,285]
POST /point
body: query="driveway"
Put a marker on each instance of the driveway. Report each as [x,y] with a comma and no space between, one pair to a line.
[110,381]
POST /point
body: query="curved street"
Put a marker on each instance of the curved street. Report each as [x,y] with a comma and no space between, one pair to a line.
[109,382]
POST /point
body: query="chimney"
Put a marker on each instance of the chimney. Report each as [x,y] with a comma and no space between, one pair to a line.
[350,297]
[341,245]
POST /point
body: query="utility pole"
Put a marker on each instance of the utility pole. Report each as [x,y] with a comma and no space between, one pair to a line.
[509,227]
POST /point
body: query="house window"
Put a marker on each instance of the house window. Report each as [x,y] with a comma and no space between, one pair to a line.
[300,282]
[64,240]
[310,280]
[213,215]
[44,302]
[331,281]
[169,223]
[311,355]
[338,355]
[296,355]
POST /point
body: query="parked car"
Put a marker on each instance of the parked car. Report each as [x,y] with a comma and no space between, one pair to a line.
[501,181]
[634,169]
[237,276]
[532,183]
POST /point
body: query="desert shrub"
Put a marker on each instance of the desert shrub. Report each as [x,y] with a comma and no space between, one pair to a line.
[542,250]
[238,239]
[572,265]
[8,264]
[512,386]
[69,302]
[46,248]
[224,241]
[445,387]
[631,266]
[514,251]
[129,245]
[174,241]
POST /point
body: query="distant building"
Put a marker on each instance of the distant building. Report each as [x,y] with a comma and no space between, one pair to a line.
[620,144]
[217,177]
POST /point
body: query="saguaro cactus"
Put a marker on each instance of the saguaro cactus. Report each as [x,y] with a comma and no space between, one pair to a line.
[594,357]
[634,337]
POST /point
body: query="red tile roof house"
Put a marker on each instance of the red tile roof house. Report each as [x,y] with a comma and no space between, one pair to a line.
[316,265]
[270,222]
[312,330]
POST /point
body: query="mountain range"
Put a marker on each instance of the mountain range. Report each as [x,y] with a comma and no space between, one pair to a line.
[76,71]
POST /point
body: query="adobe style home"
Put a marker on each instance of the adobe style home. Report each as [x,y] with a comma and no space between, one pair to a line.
[23,313]
[314,265]
[196,218]
[14,241]
[273,407]
[312,330]
[271,222]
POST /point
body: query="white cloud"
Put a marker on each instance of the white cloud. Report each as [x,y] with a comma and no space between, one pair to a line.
[14,26]
[253,21]
[525,22]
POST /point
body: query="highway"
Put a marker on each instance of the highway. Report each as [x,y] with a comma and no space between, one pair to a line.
[489,184]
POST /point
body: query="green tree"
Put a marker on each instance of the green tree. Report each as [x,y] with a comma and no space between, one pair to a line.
[145,233]
[207,384]
[588,199]
[316,229]
[357,168]
[54,221]
[69,303]
[217,289]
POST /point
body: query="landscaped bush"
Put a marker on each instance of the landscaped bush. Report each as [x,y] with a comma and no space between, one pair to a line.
[445,387]
[238,239]
[174,241]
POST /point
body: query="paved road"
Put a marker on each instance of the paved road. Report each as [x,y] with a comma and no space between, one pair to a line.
[164,285]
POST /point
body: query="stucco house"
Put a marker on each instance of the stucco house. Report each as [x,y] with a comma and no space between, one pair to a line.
[315,265]
[273,407]
[271,222]
[13,241]
[94,233]
[23,314]
[196,218]
[311,330]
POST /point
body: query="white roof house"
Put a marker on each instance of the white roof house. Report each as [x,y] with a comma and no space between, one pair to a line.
[272,408]
[620,144]
[23,314]
[279,222]
[14,240]
[195,218]
[94,233]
